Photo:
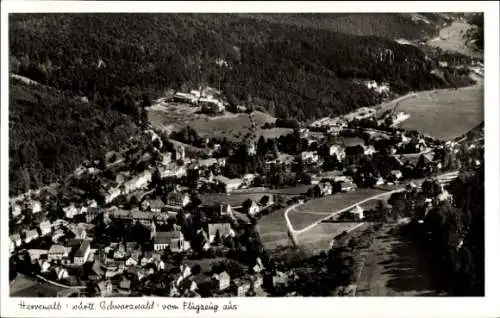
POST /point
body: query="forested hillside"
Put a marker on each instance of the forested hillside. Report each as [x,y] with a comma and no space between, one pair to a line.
[410,26]
[51,133]
[292,69]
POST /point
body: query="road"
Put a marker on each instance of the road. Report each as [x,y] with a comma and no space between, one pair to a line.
[442,178]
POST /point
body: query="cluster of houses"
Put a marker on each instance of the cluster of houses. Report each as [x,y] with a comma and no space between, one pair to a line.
[205,98]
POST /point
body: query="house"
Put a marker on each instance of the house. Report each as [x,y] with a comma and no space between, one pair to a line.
[226,209]
[172,239]
[253,209]
[111,194]
[248,178]
[397,174]
[70,211]
[369,150]
[257,280]
[279,278]
[35,253]
[15,210]
[242,286]
[224,230]
[79,231]
[358,212]
[138,182]
[309,156]
[57,252]
[105,288]
[160,265]
[16,240]
[57,235]
[145,218]
[325,188]
[338,151]
[44,266]
[61,272]
[229,185]
[82,254]
[145,205]
[156,206]
[133,260]
[188,98]
[124,286]
[30,235]
[223,280]
[35,206]
[166,158]
[202,236]
[347,186]
[92,213]
[172,170]
[177,200]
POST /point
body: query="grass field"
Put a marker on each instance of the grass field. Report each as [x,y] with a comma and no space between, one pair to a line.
[451,38]
[445,114]
[274,132]
[233,126]
[171,116]
[394,266]
[316,209]
[320,238]
[273,231]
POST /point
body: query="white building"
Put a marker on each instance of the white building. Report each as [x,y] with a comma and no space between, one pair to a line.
[309,156]
[228,184]
[358,212]
[45,227]
[338,151]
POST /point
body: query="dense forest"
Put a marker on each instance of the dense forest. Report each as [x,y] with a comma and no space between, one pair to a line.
[291,69]
[477,34]
[51,133]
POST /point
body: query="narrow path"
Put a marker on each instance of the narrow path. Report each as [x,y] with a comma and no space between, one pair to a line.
[442,177]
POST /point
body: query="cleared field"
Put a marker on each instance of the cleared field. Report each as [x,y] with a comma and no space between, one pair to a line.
[452,38]
[394,266]
[320,238]
[233,126]
[274,132]
[316,209]
[169,116]
[445,114]
[273,231]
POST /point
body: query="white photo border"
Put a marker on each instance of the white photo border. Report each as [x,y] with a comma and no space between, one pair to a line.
[293,307]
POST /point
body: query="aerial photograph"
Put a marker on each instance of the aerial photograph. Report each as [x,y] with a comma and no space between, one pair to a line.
[246,154]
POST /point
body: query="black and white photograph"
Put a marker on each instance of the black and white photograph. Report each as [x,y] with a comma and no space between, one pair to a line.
[241,154]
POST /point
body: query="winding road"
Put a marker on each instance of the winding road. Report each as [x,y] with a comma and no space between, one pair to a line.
[445,177]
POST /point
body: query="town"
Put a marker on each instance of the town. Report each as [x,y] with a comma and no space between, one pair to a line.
[156,218]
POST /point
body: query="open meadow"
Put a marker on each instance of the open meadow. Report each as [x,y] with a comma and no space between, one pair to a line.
[451,38]
[445,114]
[320,237]
[273,231]
[316,209]
[232,126]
